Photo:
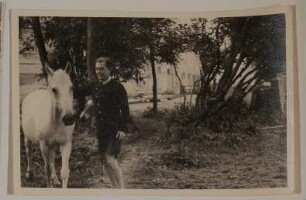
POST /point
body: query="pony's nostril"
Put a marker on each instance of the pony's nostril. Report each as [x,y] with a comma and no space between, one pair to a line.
[68,119]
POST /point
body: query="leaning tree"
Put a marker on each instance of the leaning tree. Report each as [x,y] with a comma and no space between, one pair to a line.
[235,54]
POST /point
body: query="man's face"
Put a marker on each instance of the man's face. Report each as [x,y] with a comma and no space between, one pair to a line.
[102,71]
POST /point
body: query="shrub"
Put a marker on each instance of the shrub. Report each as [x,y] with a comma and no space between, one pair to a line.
[150,113]
[229,127]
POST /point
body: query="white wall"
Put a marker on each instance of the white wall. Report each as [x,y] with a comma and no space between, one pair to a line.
[167,82]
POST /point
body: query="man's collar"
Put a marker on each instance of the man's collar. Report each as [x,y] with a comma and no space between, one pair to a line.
[107,80]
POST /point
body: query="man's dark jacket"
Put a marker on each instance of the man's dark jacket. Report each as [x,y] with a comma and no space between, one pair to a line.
[110,103]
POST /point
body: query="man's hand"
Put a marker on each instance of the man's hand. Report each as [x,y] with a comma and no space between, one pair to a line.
[90,102]
[120,135]
[83,117]
[88,111]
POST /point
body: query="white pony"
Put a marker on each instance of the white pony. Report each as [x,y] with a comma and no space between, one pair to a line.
[48,118]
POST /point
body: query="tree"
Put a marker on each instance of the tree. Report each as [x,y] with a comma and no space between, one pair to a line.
[115,38]
[131,43]
[236,54]
[58,40]
[34,24]
[160,39]
[66,39]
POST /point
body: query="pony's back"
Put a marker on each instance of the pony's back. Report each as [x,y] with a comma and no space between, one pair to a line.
[35,115]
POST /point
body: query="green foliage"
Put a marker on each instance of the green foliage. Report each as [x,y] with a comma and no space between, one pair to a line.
[66,39]
[150,113]
[131,43]
[160,33]
[191,125]
[115,38]
[161,43]
[182,116]
[236,54]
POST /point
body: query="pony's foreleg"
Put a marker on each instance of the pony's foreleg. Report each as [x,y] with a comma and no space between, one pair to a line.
[45,150]
[53,171]
[28,146]
[103,163]
[65,151]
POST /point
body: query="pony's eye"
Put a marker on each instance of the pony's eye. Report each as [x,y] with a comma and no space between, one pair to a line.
[55,91]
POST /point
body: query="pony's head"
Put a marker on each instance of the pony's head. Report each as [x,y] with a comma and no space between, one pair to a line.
[61,89]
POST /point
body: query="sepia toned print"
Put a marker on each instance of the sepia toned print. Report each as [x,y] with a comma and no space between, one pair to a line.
[208,102]
[1,27]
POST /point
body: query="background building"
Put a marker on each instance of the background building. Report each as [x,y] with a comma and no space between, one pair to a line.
[167,82]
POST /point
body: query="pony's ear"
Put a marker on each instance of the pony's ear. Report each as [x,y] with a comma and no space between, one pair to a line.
[69,68]
[48,70]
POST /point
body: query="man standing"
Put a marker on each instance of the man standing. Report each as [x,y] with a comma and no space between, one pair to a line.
[111,112]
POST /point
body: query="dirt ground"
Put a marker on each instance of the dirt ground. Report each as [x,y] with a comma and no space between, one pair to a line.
[258,163]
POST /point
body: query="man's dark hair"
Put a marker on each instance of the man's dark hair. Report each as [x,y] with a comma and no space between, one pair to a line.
[108,62]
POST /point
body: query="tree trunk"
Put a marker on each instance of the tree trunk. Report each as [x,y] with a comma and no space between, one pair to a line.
[181,85]
[202,98]
[40,43]
[92,46]
[152,60]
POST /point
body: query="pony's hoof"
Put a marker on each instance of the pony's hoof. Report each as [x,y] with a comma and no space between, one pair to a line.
[56,181]
[29,176]
[102,180]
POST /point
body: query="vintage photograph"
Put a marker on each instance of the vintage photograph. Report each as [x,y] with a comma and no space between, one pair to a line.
[186,102]
[1,32]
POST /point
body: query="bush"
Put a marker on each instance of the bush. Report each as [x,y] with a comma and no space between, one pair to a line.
[150,113]
[182,116]
[231,128]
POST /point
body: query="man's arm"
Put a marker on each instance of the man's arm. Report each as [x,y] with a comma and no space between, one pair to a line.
[83,90]
[80,91]
[88,110]
[124,108]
